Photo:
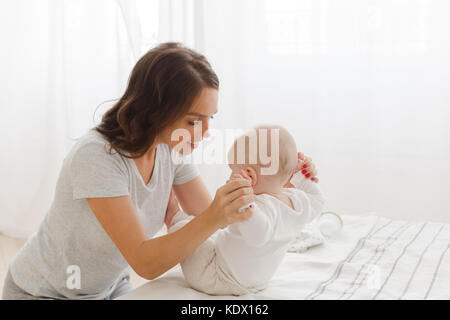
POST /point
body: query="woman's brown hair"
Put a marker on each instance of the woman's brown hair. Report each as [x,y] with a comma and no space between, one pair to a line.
[161,88]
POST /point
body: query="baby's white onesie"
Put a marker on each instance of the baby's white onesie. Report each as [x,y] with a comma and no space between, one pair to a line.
[243,257]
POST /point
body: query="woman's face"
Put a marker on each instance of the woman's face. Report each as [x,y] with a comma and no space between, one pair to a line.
[186,133]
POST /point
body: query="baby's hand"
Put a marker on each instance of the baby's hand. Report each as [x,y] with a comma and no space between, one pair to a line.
[307,167]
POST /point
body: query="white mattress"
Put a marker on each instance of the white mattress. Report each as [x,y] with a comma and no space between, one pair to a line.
[373,258]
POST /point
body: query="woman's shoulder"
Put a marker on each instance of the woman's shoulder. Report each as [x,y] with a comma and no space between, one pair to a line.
[91,137]
[91,146]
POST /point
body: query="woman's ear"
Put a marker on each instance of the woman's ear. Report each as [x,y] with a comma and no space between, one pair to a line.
[252,174]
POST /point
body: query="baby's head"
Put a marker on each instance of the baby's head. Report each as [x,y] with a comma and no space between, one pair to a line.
[267,154]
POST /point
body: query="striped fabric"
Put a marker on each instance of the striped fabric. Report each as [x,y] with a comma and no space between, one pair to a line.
[373,258]
[394,260]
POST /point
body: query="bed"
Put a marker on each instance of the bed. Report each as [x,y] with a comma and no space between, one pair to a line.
[373,258]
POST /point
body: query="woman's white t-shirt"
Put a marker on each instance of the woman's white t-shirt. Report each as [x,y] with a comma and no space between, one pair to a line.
[71,242]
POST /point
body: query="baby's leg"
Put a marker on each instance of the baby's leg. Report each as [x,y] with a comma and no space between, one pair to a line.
[200,268]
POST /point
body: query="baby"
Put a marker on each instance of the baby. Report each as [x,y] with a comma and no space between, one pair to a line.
[244,256]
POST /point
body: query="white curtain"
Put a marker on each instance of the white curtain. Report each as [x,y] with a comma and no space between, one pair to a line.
[364,86]
[59,60]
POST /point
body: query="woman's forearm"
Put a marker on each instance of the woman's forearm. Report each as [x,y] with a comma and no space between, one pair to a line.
[193,205]
[155,256]
[162,253]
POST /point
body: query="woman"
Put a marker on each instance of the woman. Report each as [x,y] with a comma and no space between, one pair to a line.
[115,184]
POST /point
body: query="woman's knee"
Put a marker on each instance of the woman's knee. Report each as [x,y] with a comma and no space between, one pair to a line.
[12,292]
[122,288]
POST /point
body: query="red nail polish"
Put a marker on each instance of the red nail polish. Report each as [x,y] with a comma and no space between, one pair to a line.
[251,206]
[303,171]
[307,175]
[304,166]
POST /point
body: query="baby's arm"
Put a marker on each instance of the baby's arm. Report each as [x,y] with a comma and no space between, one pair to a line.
[311,197]
[256,230]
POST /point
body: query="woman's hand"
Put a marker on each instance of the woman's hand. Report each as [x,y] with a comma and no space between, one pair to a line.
[307,167]
[240,175]
[236,193]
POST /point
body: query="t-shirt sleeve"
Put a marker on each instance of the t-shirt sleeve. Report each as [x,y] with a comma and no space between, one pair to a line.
[94,173]
[185,172]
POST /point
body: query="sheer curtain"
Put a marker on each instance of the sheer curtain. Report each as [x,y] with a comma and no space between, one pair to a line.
[59,60]
[364,86]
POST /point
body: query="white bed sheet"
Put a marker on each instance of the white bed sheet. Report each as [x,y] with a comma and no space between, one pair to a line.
[373,258]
